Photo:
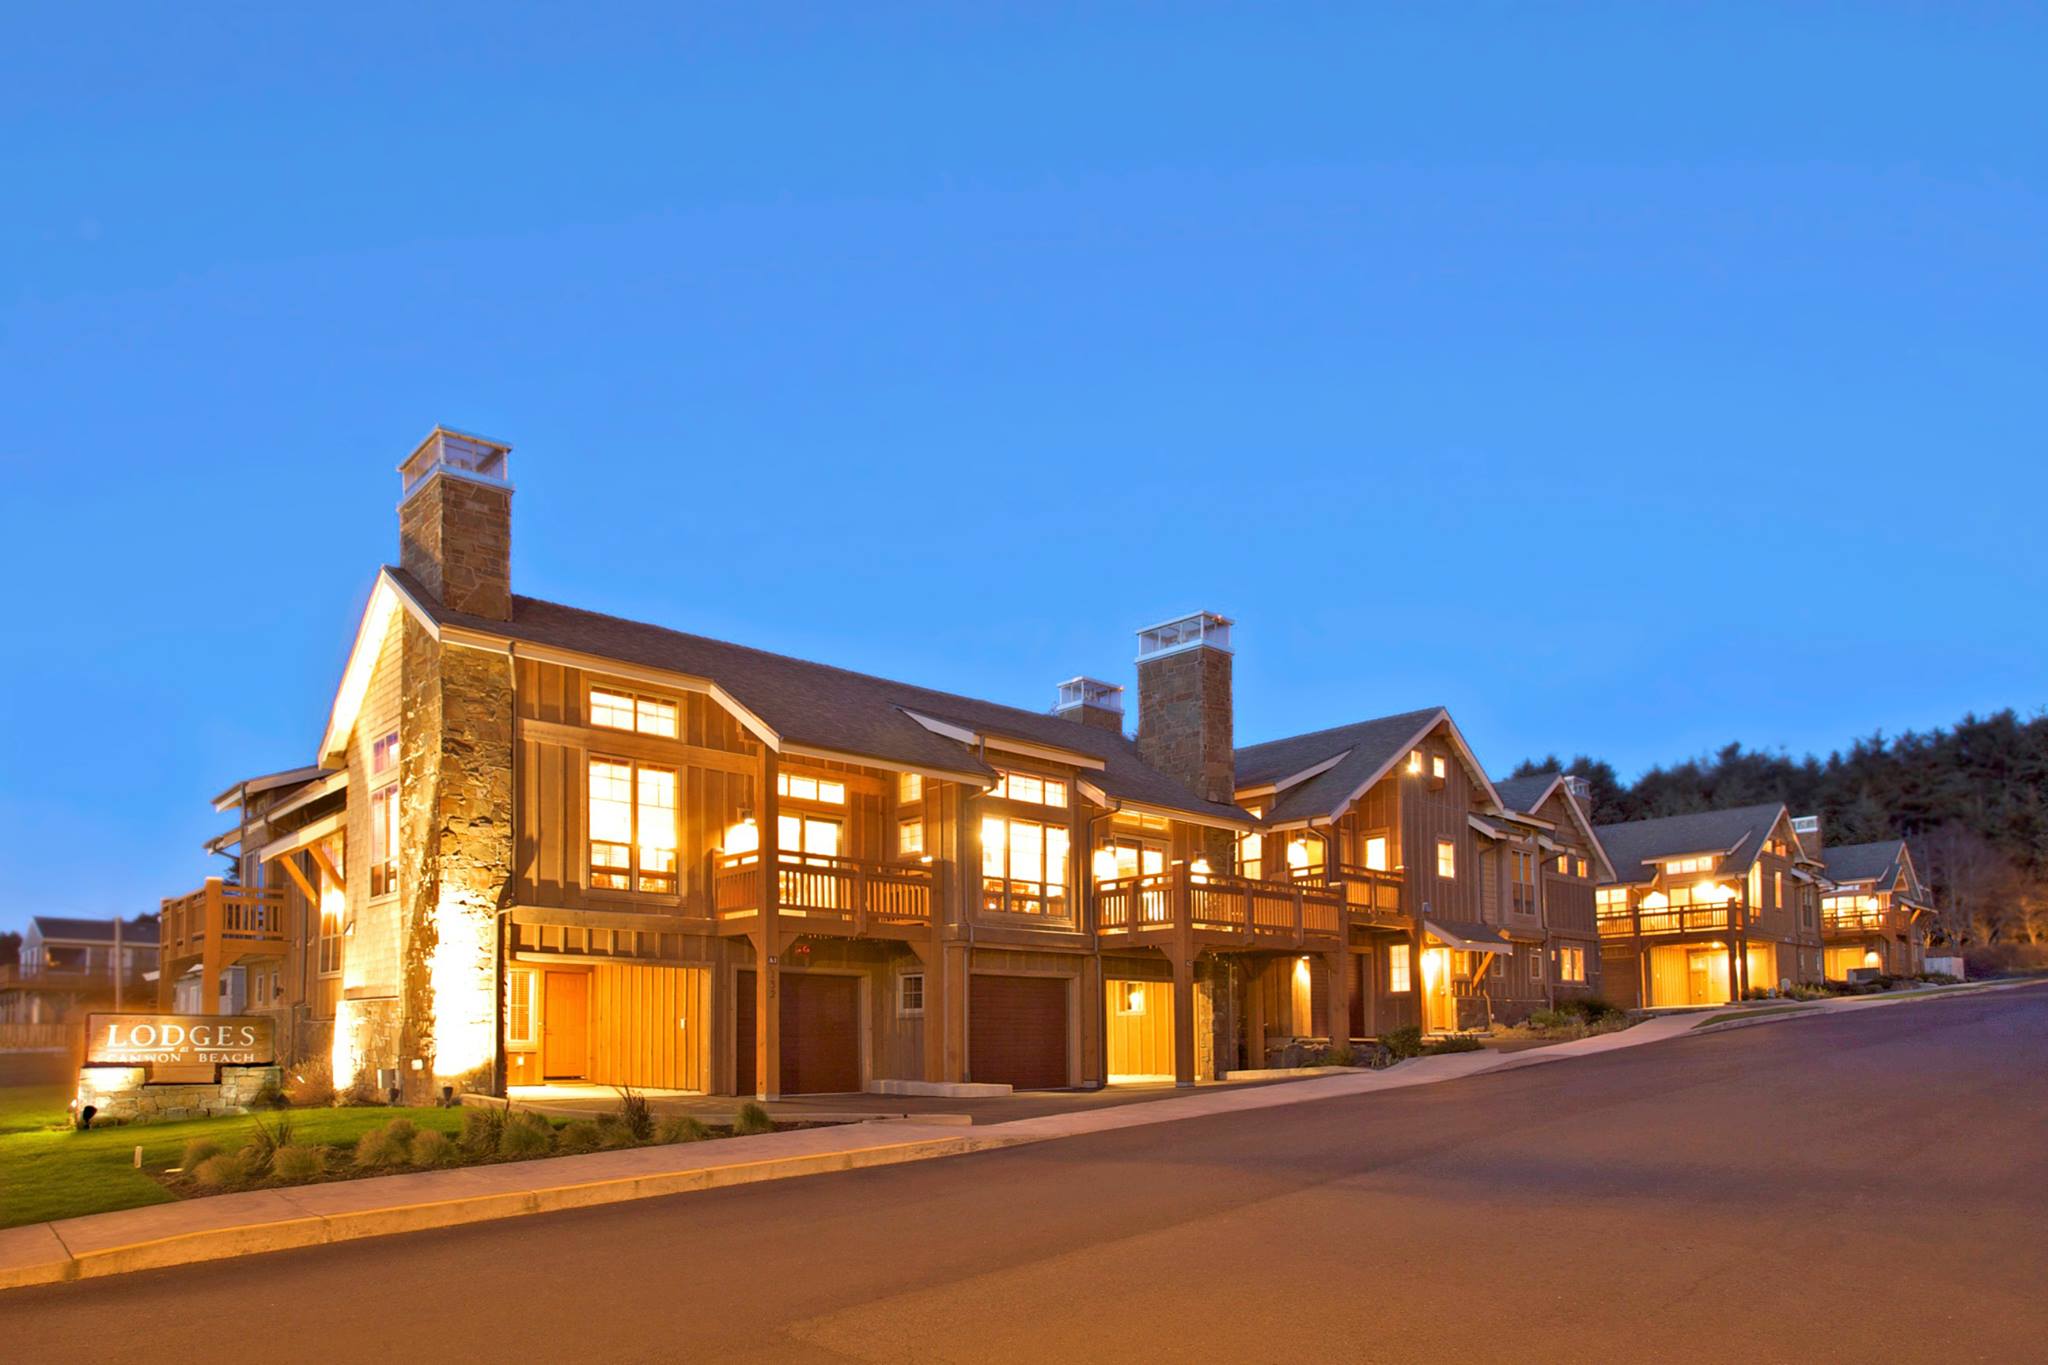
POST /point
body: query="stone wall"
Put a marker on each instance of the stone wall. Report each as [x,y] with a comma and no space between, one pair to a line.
[121,1094]
[455,537]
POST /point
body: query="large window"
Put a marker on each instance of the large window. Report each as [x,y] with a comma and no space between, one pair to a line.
[630,711]
[632,827]
[1678,867]
[1397,969]
[1023,867]
[1136,857]
[807,837]
[1376,852]
[1571,965]
[1304,854]
[800,788]
[1251,851]
[1446,858]
[1032,791]
[384,816]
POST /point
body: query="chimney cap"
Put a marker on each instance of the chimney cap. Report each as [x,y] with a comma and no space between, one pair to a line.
[1191,631]
[462,454]
[1084,691]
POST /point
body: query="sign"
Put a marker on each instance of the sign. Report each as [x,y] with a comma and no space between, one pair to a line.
[178,1047]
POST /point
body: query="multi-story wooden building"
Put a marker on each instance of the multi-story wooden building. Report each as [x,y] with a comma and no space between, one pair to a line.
[1704,908]
[1874,910]
[1540,863]
[69,965]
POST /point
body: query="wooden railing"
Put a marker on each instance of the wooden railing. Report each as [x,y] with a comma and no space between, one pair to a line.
[1857,922]
[1212,906]
[234,918]
[833,895]
[1688,919]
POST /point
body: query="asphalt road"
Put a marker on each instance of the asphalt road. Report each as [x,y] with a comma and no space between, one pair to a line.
[1872,1186]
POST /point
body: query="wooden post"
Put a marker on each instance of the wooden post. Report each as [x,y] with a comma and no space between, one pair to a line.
[1183,1015]
[768,943]
[1255,1012]
[1340,997]
[211,920]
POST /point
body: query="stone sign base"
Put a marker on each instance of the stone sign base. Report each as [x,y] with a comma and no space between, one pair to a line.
[121,1094]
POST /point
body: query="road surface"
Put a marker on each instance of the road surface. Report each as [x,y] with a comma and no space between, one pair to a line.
[1862,1187]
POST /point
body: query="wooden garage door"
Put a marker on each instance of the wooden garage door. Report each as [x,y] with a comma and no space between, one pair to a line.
[648,1026]
[1017,1031]
[820,1034]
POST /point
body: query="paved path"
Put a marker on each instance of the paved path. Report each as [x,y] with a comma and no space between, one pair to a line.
[1869,1185]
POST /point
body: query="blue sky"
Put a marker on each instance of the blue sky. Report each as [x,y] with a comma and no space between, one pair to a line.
[1630,379]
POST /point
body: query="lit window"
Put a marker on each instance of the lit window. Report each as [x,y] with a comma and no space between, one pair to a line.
[1397,969]
[1376,853]
[1034,791]
[1250,855]
[1415,761]
[1446,858]
[384,829]
[800,788]
[632,827]
[384,754]
[1564,865]
[910,838]
[1304,856]
[1134,857]
[519,1007]
[909,787]
[1436,767]
[1582,868]
[627,711]
[1571,966]
[910,993]
[1023,867]
[1130,997]
[1681,866]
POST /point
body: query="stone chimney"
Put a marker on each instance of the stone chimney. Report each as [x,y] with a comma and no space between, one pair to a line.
[455,522]
[1092,702]
[1184,708]
[1811,836]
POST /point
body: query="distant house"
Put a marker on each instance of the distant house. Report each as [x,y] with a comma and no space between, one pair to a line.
[1874,912]
[70,965]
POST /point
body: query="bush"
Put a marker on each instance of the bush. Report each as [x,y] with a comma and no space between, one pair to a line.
[1403,1043]
[271,1097]
[752,1119]
[683,1128]
[362,1092]
[266,1138]
[386,1147]
[226,1170]
[197,1151]
[633,1114]
[311,1085]
[578,1135]
[434,1148]
[1940,979]
[298,1162]
[483,1127]
[478,1080]
[1457,1043]
[526,1134]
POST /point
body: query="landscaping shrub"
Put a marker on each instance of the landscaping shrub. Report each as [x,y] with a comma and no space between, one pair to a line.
[197,1151]
[1403,1043]
[1340,1055]
[271,1097]
[226,1170]
[310,1085]
[483,1127]
[386,1147]
[526,1134]
[1459,1043]
[683,1128]
[266,1138]
[750,1120]
[297,1162]
[578,1135]
[433,1147]
[1940,979]
[633,1114]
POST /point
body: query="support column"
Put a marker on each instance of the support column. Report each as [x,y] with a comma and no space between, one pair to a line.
[1255,1012]
[768,943]
[937,995]
[1340,997]
[1094,1023]
[1184,1016]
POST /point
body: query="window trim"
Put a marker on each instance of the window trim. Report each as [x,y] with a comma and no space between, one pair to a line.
[1400,969]
[513,989]
[1447,856]
[632,870]
[635,699]
[904,1009]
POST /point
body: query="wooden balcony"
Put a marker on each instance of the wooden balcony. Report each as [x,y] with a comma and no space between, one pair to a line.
[224,922]
[1372,898]
[1220,911]
[819,895]
[1689,919]
[1858,923]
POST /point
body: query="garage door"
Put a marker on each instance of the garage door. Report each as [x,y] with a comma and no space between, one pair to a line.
[820,1034]
[1017,1031]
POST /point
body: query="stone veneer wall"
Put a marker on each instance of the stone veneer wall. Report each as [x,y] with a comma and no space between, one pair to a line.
[455,537]
[121,1093]
[1185,728]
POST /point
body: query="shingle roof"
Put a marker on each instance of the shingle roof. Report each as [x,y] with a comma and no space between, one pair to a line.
[1862,862]
[1631,845]
[1361,749]
[1525,793]
[832,708]
[140,932]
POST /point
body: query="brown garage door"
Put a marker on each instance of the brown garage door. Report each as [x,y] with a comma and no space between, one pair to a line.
[1017,1031]
[820,1034]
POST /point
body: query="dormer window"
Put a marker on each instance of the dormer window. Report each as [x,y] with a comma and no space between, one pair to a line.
[645,715]
[1030,789]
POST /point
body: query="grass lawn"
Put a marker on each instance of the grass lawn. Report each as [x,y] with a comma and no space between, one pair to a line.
[49,1171]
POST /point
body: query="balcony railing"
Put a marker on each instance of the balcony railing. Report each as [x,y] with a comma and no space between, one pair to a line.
[1373,896]
[1856,922]
[1688,919]
[1227,908]
[829,895]
[237,920]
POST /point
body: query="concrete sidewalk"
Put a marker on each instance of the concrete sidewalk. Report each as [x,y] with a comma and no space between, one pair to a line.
[310,1215]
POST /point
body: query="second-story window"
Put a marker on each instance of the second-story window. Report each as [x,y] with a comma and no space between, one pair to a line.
[1031,790]
[632,827]
[1446,858]
[910,839]
[1134,857]
[909,787]
[1522,867]
[1023,867]
[1437,768]
[1304,855]
[632,711]
[801,788]
[1376,852]
[384,816]
[1251,859]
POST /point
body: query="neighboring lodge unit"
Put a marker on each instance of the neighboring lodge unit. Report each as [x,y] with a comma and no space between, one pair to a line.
[543,844]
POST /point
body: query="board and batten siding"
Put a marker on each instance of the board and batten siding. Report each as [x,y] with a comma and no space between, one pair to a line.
[650,1027]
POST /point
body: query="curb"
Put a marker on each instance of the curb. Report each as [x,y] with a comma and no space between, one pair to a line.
[1852,1004]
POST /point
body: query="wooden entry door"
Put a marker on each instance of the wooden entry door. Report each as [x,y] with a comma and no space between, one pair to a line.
[565,1025]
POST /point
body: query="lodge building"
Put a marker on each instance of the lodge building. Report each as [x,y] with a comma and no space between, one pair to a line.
[542,844]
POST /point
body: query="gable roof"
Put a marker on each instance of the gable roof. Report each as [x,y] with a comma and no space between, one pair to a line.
[800,707]
[1525,794]
[1342,763]
[1529,795]
[1739,834]
[65,928]
[1863,862]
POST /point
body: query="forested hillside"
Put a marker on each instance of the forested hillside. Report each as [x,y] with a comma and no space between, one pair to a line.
[1972,800]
